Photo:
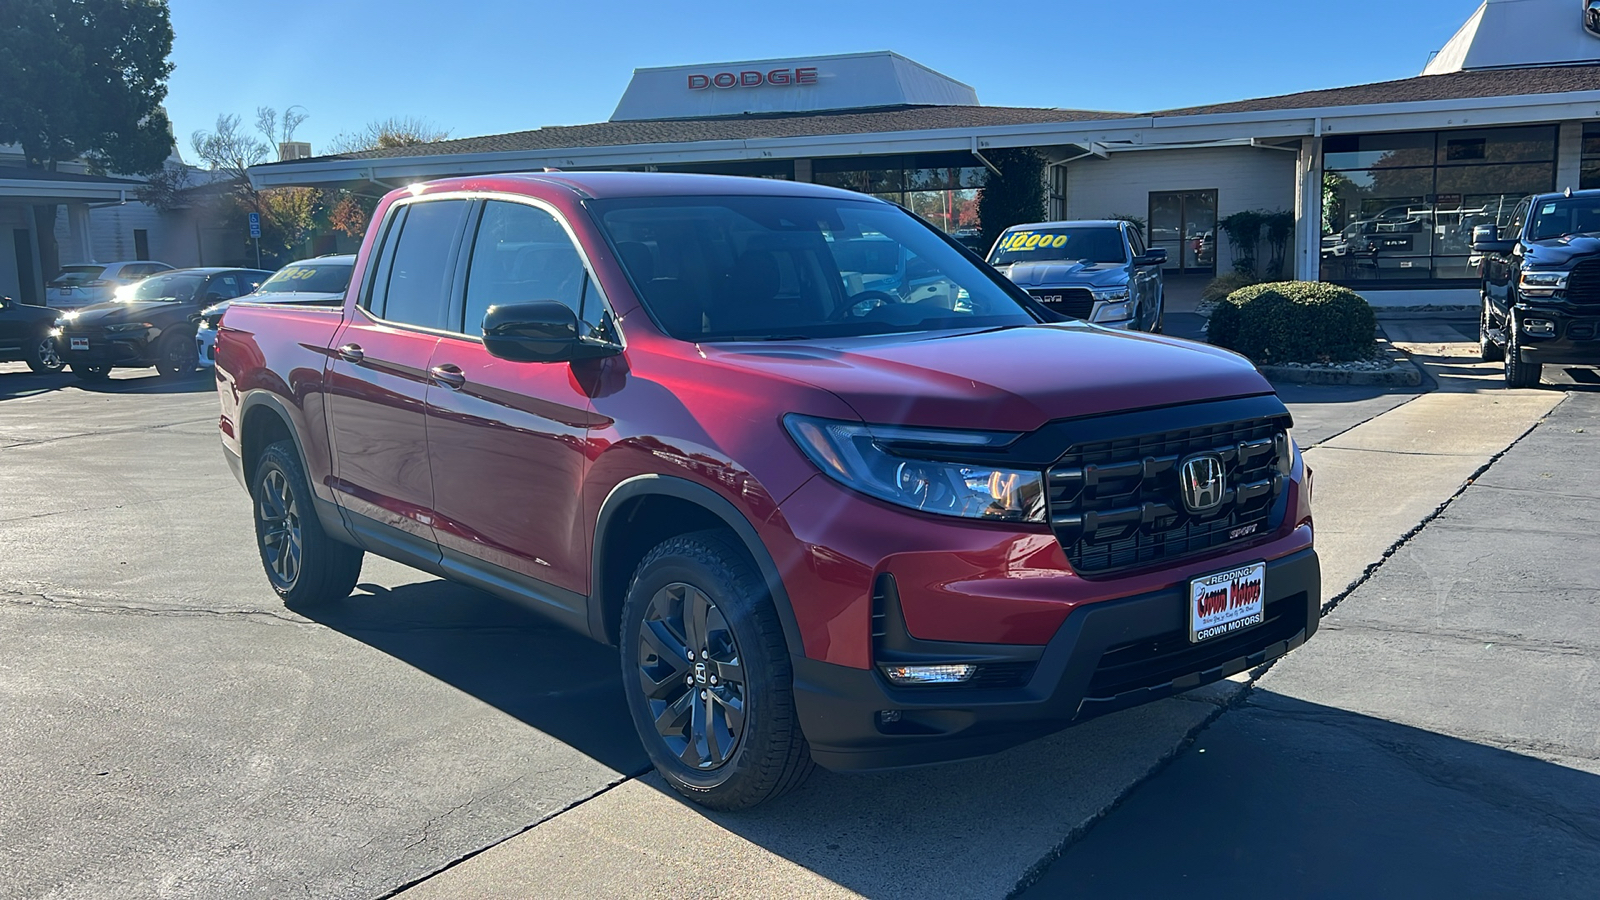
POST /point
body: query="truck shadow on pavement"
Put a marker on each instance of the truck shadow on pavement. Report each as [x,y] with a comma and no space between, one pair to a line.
[558,682]
[1282,791]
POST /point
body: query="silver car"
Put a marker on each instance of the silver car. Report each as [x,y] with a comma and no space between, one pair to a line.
[1099,271]
[316,282]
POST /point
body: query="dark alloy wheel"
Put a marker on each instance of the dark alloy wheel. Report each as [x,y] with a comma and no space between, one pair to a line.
[91,373]
[303,564]
[1519,374]
[44,358]
[176,355]
[694,678]
[707,675]
[1488,350]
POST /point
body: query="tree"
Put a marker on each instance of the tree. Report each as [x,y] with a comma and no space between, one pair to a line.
[384,134]
[1014,197]
[84,79]
[288,215]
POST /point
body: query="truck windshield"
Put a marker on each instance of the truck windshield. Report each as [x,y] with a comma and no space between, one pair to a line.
[793,268]
[1091,244]
[1564,215]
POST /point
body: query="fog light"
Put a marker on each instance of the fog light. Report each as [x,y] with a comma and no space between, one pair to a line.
[889,716]
[947,674]
[1538,326]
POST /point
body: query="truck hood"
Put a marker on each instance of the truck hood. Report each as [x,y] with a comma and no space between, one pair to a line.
[1563,250]
[1050,274]
[1015,379]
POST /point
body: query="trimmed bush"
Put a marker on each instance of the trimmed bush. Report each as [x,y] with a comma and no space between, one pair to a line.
[1294,321]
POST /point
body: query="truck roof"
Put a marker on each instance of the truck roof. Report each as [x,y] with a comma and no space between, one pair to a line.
[608,185]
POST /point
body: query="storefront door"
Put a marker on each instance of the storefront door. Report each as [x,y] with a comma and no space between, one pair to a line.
[1184,223]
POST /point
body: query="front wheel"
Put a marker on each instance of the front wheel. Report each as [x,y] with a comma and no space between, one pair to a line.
[1519,374]
[176,355]
[303,564]
[707,676]
[43,357]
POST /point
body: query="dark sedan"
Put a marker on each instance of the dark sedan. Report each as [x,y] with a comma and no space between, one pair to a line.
[25,336]
[150,323]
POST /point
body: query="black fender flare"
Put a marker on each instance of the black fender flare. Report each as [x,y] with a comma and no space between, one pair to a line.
[712,502]
[330,514]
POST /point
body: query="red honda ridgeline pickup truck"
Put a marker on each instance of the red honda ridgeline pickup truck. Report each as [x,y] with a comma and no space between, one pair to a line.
[839,491]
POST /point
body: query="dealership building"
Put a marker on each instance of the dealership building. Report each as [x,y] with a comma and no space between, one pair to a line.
[1385,180]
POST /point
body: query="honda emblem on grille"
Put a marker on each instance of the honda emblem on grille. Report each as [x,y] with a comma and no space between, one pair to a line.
[1202,482]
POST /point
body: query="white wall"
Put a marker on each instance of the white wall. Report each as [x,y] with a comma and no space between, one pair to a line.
[1243,177]
[172,234]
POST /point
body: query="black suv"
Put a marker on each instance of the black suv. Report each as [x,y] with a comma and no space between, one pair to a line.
[1541,285]
[25,336]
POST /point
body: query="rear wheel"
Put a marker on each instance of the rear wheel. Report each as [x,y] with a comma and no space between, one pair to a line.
[43,357]
[1519,374]
[1488,350]
[303,564]
[176,355]
[91,373]
[707,676]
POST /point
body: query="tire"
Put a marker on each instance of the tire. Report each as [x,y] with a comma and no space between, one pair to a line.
[304,566]
[703,588]
[43,357]
[1488,350]
[91,373]
[1519,374]
[176,355]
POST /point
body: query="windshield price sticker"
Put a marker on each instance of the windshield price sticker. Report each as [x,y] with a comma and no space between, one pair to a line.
[1029,240]
[1226,602]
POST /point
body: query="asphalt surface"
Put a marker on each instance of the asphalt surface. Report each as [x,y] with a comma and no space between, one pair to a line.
[171,730]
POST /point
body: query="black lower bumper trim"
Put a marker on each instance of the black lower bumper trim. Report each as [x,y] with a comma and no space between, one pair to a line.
[1105,657]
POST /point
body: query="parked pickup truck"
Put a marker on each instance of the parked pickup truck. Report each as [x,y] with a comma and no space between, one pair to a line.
[861,526]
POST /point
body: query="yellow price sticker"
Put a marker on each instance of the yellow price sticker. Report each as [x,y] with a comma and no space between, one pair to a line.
[1032,240]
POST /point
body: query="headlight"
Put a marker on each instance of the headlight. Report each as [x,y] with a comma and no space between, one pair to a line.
[127,327]
[1543,283]
[880,461]
[1112,312]
[1110,294]
[66,318]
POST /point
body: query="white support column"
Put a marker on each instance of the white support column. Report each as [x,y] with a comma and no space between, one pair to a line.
[78,229]
[802,170]
[1308,210]
[1569,156]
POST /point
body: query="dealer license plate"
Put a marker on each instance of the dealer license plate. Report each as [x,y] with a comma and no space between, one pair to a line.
[79,343]
[1227,602]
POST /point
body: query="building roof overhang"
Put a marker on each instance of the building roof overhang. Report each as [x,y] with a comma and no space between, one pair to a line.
[37,187]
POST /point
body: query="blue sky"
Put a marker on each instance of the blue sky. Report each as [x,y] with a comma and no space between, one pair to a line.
[488,66]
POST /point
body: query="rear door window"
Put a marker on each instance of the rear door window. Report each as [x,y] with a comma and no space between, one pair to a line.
[225,286]
[414,285]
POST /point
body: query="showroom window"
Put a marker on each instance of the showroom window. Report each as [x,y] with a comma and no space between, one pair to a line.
[1398,209]
[1590,177]
[940,187]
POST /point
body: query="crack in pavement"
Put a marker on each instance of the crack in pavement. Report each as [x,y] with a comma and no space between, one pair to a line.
[35,600]
[151,500]
[1498,639]
[142,429]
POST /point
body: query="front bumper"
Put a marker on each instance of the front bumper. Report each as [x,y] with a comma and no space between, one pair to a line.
[105,350]
[206,346]
[1576,340]
[1104,657]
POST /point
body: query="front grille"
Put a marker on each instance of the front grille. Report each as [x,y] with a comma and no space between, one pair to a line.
[1077,303]
[1152,662]
[1583,284]
[1115,504]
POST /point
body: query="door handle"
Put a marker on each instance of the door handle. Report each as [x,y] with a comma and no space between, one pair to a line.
[352,353]
[448,376]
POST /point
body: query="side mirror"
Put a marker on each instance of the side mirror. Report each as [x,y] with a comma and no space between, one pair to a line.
[1486,239]
[5,302]
[1155,256]
[541,331]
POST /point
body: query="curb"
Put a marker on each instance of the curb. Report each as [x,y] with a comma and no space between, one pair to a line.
[1402,372]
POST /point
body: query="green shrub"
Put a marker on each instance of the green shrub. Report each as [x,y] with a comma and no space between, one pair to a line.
[1294,321]
[1225,284]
